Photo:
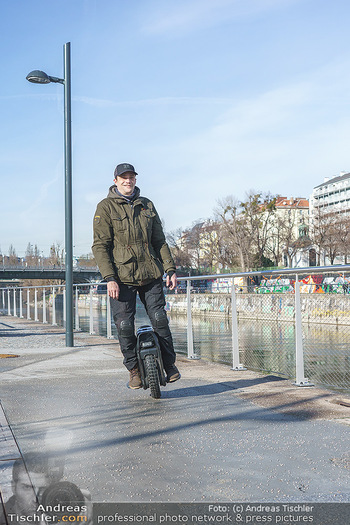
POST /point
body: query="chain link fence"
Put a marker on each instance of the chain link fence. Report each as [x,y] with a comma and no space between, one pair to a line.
[253,324]
[267,323]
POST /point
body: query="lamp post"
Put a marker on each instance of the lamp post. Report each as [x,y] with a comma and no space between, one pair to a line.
[39,77]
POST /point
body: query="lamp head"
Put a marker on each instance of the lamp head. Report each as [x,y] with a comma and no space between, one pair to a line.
[38,77]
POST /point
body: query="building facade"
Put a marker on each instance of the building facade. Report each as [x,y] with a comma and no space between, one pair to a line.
[330,219]
[289,234]
[332,196]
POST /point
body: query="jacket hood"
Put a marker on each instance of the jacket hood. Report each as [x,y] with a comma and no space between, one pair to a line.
[112,194]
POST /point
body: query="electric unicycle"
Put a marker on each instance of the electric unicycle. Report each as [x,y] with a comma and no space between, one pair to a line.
[150,360]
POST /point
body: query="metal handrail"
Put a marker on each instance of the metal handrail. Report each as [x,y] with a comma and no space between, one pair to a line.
[284,271]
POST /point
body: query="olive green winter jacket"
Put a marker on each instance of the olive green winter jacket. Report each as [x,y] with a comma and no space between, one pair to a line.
[129,241]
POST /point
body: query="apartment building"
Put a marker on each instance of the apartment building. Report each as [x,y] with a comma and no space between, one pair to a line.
[289,231]
[331,201]
[295,208]
[333,195]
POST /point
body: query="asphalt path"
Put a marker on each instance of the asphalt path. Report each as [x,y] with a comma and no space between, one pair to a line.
[215,435]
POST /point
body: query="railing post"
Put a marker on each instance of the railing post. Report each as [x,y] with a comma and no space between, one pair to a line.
[36,304]
[44,306]
[109,320]
[28,304]
[236,365]
[190,350]
[300,380]
[91,323]
[54,306]
[14,303]
[3,299]
[21,303]
[8,302]
[64,307]
[77,328]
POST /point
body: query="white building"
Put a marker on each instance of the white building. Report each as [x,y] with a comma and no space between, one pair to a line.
[333,195]
[330,199]
[290,231]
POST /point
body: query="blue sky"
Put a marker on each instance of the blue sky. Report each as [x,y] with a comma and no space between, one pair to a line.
[207,98]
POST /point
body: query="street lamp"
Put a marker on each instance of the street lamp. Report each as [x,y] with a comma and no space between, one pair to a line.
[39,77]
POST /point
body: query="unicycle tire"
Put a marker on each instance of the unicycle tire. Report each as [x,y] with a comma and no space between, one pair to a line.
[152,376]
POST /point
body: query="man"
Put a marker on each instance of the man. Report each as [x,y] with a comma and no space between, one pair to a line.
[31,476]
[26,487]
[132,254]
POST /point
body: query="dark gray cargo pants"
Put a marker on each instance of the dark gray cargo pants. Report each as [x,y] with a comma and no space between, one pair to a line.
[124,309]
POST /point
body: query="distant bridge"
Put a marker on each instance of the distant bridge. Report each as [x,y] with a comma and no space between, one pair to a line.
[80,275]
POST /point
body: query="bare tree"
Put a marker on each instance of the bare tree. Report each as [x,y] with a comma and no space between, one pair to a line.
[330,233]
[344,236]
[13,257]
[276,245]
[288,236]
[56,254]
[259,211]
[248,227]
[32,255]
[234,228]
[179,248]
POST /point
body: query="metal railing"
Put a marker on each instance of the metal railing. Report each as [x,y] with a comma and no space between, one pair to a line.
[291,322]
[44,265]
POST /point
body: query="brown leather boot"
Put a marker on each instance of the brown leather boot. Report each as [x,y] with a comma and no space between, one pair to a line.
[173,374]
[135,378]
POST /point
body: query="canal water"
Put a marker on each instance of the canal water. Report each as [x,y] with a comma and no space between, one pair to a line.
[267,346]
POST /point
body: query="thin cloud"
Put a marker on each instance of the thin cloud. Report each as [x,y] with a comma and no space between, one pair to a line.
[187,15]
[37,96]
[161,101]
[280,140]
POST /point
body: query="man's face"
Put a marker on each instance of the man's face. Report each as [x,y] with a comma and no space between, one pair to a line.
[126,183]
[26,502]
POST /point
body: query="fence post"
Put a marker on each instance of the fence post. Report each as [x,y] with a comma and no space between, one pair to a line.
[77,328]
[54,306]
[64,306]
[91,322]
[8,302]
[299,352]
[21,303]
[44,306]
[109,320]
[36,304]
[28,304]
[3,299]
[236,365]
[190,350]
[14,303]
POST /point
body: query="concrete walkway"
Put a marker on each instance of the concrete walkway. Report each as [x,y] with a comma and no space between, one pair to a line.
[215,435]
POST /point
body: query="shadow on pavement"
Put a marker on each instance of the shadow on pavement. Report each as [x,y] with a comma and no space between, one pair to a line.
[144,408]
[217,388]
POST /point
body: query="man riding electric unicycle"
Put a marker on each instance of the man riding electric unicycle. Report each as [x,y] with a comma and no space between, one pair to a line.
[131,252]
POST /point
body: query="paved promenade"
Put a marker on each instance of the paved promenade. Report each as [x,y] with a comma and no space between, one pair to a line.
[215,435]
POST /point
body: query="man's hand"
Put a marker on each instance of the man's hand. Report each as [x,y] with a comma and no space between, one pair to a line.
[113,289]
[171,282]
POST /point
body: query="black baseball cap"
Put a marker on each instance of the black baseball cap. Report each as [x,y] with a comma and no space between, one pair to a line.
[124,168]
